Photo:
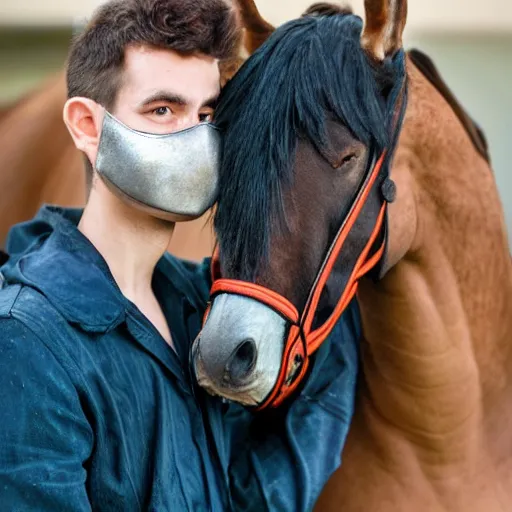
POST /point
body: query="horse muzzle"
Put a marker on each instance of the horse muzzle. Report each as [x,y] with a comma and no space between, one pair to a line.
[238,352]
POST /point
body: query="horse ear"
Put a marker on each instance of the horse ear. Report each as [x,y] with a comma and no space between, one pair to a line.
[257,30]
[384,26]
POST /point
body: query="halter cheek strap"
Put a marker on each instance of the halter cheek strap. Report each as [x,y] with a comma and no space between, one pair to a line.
[363,230]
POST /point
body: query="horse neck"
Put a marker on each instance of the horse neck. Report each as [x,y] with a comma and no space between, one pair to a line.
[441,318]
[39,161]
[462,222]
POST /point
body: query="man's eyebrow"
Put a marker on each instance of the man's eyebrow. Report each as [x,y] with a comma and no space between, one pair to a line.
[164,96]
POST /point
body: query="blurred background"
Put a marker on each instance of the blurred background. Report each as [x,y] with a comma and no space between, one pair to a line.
[470,41]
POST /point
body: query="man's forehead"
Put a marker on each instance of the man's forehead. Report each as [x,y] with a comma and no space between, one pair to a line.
[140,54]
[147,70]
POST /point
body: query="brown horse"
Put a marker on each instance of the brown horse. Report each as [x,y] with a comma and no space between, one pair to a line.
[431,430]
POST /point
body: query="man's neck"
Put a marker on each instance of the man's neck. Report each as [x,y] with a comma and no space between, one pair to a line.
[130,241]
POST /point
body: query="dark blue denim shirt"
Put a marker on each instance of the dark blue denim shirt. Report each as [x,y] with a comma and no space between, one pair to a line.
[98,413]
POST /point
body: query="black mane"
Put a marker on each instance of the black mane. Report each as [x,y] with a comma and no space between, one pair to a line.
[307,69]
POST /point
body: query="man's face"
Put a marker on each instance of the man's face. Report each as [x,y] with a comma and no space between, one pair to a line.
[163,92]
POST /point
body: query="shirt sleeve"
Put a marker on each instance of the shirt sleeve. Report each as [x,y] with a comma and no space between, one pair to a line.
[282,459]
[45,438]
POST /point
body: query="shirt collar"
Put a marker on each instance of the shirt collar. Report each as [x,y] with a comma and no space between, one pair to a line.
[73,275]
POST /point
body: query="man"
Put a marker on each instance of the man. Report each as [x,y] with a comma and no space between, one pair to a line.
[99,410]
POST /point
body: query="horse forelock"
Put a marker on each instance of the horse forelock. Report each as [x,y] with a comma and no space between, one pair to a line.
[308,69]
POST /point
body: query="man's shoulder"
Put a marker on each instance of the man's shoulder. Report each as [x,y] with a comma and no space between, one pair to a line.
[26,314]
[17,331]
[18,297]
[23,309]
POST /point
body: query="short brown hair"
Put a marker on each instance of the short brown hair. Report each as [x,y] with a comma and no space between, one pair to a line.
[96,57]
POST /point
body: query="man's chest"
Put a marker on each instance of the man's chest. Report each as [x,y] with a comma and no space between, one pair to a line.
[153,444]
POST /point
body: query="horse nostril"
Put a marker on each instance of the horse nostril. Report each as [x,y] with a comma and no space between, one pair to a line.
[242,362]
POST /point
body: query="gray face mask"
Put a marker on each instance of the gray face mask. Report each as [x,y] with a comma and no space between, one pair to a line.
[172,176]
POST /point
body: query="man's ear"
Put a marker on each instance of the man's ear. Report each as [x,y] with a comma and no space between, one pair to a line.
[83,118]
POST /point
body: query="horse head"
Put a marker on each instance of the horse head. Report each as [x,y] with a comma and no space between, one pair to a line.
[310,121]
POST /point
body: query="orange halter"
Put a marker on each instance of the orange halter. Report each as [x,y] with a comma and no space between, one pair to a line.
[367,215]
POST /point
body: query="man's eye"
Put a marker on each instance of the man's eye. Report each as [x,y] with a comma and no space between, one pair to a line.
[161,111]
[205,117]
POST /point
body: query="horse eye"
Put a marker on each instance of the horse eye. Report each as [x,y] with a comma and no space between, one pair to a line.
[347,159]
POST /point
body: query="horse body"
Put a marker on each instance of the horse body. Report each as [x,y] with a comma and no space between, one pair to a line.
[431,426]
